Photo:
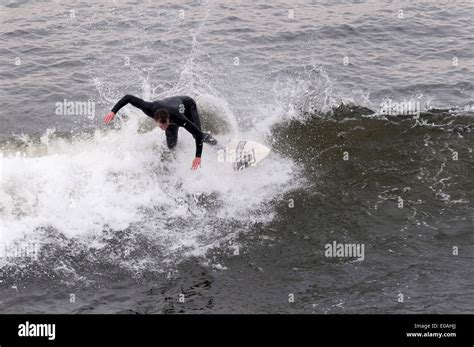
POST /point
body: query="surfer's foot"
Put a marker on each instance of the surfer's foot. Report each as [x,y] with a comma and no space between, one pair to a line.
[209,140]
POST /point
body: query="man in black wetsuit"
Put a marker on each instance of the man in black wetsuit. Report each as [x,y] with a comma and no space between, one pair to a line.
[170,114]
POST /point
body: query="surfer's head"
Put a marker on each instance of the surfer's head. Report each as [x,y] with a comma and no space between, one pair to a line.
[162,117]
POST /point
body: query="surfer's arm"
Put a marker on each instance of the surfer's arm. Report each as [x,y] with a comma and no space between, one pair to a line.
[197,134]
[183,121]
[145,106]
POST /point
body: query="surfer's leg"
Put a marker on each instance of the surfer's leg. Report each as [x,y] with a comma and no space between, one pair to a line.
[172,135]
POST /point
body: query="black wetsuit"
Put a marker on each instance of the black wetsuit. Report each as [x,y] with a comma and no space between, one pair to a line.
[183,113]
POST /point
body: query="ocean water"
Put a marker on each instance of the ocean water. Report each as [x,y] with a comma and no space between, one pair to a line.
[367,106]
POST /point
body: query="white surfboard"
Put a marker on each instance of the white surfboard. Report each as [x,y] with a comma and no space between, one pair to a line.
[242,154]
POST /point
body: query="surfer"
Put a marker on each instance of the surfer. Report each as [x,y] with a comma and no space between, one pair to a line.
[170,114]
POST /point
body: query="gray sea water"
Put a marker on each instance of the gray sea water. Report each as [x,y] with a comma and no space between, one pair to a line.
[367,106]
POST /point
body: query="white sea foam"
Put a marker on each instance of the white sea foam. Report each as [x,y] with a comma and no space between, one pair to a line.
[116,179]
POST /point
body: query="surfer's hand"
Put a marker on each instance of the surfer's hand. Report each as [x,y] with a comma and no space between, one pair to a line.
[108,117]
[196,163]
